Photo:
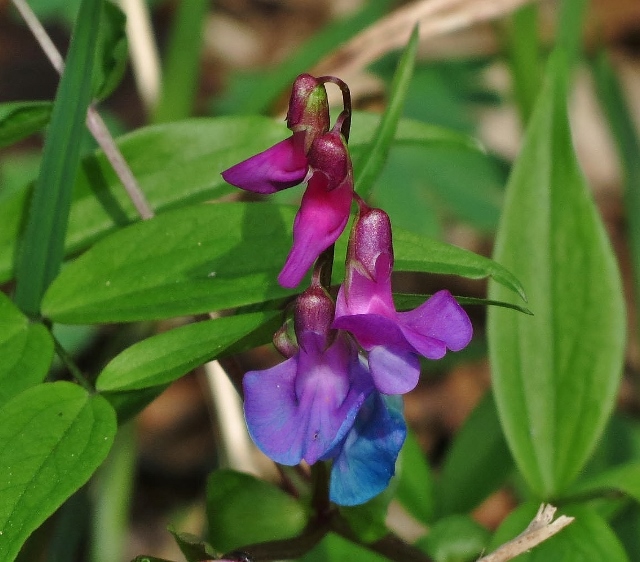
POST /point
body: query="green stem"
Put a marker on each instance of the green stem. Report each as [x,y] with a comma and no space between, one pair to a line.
[70,364]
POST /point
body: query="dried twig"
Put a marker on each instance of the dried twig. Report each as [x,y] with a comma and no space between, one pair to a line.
[435,17]
[95,124]
[143,50]
[539,530]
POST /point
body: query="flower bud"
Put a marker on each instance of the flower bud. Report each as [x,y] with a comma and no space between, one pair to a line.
[370,244]
[308,108]
[329,154]
[314,312]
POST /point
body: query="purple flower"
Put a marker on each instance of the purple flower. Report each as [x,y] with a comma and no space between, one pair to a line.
[320,404]
[301,408]
[313,154]
[324,210]
[365,308]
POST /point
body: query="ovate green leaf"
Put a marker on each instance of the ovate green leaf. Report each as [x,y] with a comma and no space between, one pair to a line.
[555,374]
[178,164]
[204,258]
[165,357]
[52,438]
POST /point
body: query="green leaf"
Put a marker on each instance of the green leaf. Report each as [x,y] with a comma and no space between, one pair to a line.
[165,357]
[588,539]
[555,374]
[202,258]
[523,49]
[181,70]
[621,124]
[624,478]
[569,29]
[144,558]
[368,169]
[415,486]
[112,51]
[193,548]
[455,539]
[178,164]
[367,520]
[43,243]
[187,261]
[243,510]
[333,548]
[477,464]
[21,119]
[408,301]
[52,437]
[413,253]
[26,350]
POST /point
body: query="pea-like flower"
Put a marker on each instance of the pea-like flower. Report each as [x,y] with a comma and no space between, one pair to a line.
[320,404]
[365,308]
[314,154]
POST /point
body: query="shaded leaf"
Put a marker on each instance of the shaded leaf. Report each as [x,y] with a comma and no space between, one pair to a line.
[457,538]
[477,464]
[112,51]
[415,485]
[19,120]
[266,512]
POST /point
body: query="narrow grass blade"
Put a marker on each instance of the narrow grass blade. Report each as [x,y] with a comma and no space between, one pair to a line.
[43,244]
[372,165]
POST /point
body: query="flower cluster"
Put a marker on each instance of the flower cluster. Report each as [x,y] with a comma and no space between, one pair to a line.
[336,396]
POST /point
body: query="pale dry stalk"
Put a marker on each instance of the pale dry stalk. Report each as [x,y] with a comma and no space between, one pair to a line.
[541,528]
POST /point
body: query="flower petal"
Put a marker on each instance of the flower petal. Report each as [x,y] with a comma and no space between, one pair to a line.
[279,167]
[440,318]
[366,461]
[394,370]
[371,330]
[271,412]
[321,219]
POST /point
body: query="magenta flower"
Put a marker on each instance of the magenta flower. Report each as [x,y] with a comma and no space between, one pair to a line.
[313,154]
[365,308]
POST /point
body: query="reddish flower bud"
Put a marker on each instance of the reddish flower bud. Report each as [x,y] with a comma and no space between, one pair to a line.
[308,108]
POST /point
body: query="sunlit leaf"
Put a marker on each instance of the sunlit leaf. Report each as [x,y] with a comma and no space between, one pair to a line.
[163,358]
[202,258]
[52,438]
[555,374]
[26,349]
